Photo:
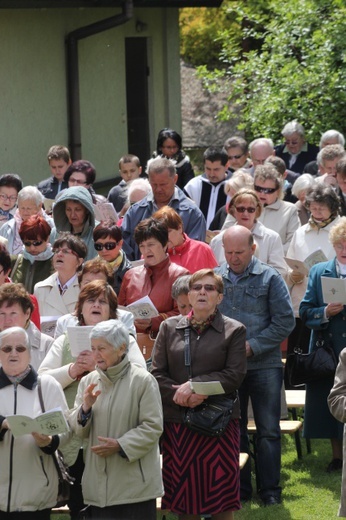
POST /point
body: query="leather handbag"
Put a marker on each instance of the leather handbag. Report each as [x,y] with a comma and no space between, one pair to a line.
[65,479]
[211,417]
[315,366]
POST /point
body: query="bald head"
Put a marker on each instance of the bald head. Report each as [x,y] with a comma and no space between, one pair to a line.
[239,247]
[260,150]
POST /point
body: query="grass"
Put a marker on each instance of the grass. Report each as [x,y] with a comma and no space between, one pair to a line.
[308,492]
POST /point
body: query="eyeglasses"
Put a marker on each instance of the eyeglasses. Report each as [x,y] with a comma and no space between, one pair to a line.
[242,209]
[108,246]
[19,348]
[12,198]
[265,190]
[65,251]
[207,287]
[291,142]
[231,157]
[76,181]
[34,243]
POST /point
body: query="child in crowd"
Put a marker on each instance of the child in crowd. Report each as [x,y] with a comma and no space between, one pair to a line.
[10,185]
[59,160]
[129,169]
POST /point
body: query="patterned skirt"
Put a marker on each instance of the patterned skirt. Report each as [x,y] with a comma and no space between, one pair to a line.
[200,474]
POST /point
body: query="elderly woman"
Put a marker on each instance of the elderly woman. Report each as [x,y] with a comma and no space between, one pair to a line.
[97,269]
[327,138]
[295,151]
[180,292]
[57,295]
[277,214]
[153,279]
[182,250]
[16,308]
[108,242]
[303,184]
[323,205]
[337,407]
[30,202]
[28,477]
[245,209]
[74,212]
[118,409]
[138,189]
[35,263]
[327,322]
[217,348]
[97,302]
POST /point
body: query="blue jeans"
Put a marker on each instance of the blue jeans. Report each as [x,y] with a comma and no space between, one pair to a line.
[264,387]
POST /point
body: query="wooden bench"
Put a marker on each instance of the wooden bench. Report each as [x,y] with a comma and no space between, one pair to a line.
[286,427]
[243,457]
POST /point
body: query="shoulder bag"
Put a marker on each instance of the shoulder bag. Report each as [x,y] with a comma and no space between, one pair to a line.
[315,366]
[210,418]
[65,479]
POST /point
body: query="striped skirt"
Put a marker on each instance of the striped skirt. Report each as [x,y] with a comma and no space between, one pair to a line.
[200,474]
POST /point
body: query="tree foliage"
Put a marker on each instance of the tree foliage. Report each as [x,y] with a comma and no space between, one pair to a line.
[297,70]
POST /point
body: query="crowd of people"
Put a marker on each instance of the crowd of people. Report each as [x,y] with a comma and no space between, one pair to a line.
[196,279]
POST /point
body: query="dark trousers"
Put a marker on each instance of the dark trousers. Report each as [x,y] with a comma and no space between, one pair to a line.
[75,502]
[138,511]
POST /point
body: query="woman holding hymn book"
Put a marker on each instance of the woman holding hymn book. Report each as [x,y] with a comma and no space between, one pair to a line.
[312,240]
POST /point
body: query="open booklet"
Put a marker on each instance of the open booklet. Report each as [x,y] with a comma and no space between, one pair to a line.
[207,387]
[143,309]
[304,267]
[52,422]
[79,339]
[334,290]
[105,211]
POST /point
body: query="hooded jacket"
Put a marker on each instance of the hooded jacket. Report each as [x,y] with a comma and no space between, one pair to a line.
[81,195]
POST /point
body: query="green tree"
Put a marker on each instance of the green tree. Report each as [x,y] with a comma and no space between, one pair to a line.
[298,70]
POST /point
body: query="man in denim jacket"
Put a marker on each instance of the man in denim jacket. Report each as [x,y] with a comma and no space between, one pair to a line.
[256,295]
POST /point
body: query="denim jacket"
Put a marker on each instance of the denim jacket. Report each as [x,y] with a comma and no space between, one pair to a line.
[261,301]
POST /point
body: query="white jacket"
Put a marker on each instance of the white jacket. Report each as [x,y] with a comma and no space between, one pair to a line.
[51,302]
[282,217]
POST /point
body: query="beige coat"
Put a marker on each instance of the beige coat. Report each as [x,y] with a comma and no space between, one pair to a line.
[51,302]
[129,410]
[337,406]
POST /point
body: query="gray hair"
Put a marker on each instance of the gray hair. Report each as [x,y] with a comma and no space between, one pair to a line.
[181,286]
[113,331]
[15,330]
[139,184]
[261,141]
[159,165]
[332,134]
[240,179]
[31,193]
[293,127]
[303,183]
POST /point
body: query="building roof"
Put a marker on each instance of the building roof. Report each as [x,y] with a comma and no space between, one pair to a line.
[36,4]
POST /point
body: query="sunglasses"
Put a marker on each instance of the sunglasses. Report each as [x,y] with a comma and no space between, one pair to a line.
[265,190]
[19,348]
[207,287]
[34,243]
[65,251]
[242,209]
[108,246]
[231,157]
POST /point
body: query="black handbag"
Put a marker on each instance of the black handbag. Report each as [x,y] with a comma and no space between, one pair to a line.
[210,418]
[315,366]
[65,479]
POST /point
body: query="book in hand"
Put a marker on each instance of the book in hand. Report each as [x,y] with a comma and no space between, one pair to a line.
[143,309]
[303,267]
[52,422]
[334,290]
[105,212]
[207,387]
[79,339]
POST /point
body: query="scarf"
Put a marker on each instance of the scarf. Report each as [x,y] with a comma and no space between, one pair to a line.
[17,379]
[41,257]
[320,224]
[200,326]
[115,264]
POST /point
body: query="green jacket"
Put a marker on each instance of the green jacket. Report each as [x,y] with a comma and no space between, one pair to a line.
[29,274]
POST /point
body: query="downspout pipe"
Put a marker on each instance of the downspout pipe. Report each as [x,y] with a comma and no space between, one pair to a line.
[73,95]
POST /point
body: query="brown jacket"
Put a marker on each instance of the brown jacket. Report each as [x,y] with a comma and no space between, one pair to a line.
[217,355]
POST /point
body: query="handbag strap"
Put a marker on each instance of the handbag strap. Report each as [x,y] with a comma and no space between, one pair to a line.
[187,350]
[40,396]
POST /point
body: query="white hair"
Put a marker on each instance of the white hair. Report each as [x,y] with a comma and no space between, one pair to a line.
[303,183]
[332,134]
[293,127]
[113,331]
[31,193]
[15,330]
